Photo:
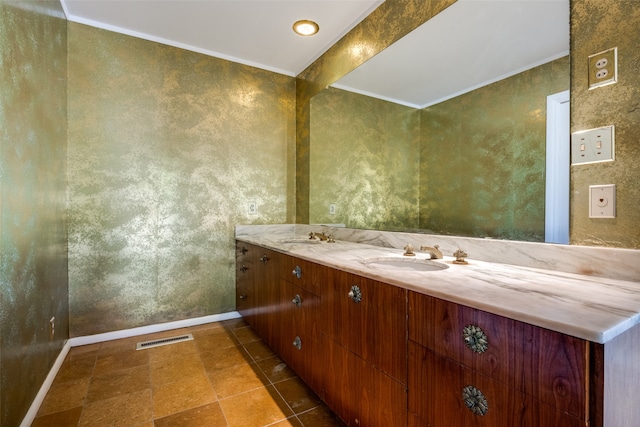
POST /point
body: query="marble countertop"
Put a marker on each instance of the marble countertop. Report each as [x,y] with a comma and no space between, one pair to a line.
[593,308]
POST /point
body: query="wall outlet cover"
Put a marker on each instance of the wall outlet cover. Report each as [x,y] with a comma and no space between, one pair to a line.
[603,68]
[602,201]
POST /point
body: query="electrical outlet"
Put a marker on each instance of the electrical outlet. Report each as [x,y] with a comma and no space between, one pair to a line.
[603,68]
[253,208]
[332,209]
[602,201]
[593,145]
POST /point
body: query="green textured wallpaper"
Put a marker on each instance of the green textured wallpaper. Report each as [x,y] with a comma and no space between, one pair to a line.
[365,159]
[166,149]
[598,25]
[482,166]
[33,226]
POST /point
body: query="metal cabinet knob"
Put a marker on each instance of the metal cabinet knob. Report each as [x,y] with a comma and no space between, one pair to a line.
[297,343]
[264,259]
[244,268]
[242,297]
[475,400]
[297,272]
[297,300]
[244,250]
[475,338]
[355,294]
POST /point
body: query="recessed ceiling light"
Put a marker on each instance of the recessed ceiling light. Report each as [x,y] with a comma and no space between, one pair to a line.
[305,27]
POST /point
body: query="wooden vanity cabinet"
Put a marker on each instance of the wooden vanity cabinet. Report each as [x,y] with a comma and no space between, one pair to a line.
[400,358]
[530,376]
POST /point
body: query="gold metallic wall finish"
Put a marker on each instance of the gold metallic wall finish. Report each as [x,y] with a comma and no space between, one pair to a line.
[33,227]
[365,160]
[598,25]
[166,149]
[483,157]
[388,23]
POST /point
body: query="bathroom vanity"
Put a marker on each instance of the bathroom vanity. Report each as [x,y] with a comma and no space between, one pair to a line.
[386,341]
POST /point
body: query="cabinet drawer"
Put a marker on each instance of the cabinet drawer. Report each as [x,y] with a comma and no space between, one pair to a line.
[358,392]
[438,387]
[542,363]
[369,318]
[307,275]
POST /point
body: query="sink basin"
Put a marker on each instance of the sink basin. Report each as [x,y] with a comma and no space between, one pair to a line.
[302,240]
[405,264]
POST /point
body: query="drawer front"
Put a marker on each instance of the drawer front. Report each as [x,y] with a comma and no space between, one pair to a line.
[305,310]
[358,393]
[445,393]
[369,318]
[548,365]
[307,275]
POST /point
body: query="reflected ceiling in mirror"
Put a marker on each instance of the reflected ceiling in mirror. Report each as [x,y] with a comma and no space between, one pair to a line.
[470,44]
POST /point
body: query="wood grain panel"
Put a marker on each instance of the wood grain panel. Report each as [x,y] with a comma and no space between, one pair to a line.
[374,328]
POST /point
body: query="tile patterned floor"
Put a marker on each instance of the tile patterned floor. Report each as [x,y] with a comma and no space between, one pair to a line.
[225,377]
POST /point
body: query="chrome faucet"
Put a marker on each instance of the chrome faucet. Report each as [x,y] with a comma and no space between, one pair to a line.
[434,252]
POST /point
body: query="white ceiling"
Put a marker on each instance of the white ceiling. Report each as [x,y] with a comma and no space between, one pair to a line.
[253,32]
[470,44]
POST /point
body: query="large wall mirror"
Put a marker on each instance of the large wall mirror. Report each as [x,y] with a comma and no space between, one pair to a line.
[446,131]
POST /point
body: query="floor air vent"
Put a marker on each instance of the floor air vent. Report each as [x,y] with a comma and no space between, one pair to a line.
[163,341]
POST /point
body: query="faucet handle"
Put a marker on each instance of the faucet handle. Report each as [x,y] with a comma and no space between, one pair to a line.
[460,257]
[408,251]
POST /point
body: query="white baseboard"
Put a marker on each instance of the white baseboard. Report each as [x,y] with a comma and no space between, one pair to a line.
[44,389]
[108,336]
[143,330]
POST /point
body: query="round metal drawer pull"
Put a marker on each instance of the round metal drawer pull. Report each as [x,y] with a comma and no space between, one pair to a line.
[297,343]
[242,296]
[297,272]
[244,268]
[297,300]
[475,400]
[244,250]
[355,293]
[475,338]
[264,259]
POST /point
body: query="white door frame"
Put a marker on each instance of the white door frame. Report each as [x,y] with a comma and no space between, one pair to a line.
[558,161]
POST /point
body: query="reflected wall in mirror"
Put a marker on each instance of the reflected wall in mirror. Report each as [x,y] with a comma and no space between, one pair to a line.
[473,164]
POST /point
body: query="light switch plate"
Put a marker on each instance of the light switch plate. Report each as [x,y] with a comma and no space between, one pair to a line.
[593,145]
[602,201]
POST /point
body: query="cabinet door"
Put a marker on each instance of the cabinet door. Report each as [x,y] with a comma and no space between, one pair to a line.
[445,393]
[266,273]
[369,318]
[548,365]
[304,359]
[359,393]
